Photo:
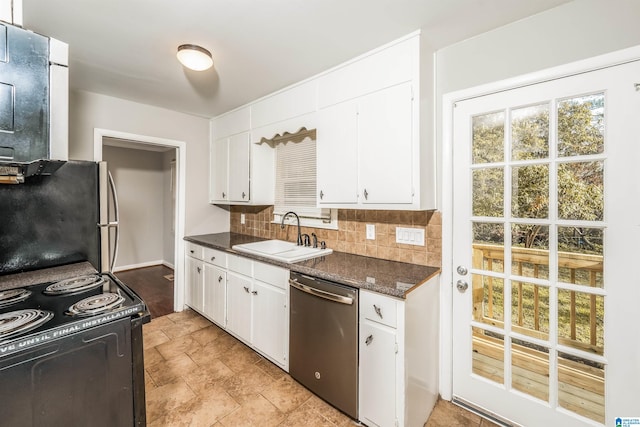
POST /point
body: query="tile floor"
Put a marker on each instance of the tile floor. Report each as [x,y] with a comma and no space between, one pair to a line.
[198,375]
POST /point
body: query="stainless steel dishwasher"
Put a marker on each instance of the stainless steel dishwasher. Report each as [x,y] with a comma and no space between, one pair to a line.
[323,342]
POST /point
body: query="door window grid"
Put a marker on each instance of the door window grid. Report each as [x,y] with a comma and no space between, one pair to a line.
[556,287]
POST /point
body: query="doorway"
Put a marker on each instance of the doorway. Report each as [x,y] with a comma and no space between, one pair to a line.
[544,227]
[151,188]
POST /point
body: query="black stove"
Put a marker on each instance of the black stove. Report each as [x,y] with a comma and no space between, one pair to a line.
[39,313]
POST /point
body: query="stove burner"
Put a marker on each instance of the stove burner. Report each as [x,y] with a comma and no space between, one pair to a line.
[20,321]
[13,296]
[74,285]
[96,304]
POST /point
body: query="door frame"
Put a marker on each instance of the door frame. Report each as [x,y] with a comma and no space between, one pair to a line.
[181,165]
[448,104]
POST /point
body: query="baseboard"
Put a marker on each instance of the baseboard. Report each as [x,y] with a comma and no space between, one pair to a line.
[141,265]
[168,265]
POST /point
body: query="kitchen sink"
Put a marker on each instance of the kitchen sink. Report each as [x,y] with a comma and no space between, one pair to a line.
[281,250]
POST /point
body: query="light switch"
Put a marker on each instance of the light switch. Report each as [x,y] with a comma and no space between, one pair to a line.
[371,231]
[241,218]
[410,236]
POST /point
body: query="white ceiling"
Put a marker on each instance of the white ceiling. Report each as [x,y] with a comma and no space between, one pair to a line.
[126,48]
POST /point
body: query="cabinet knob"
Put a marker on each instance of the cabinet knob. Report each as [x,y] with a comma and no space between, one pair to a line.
[369,340]
[198,268]
[378,310]
[366,194]
[243,195]
[213,258]
[219,278]
[255,292]
[321,194]
[223,195]
[192,251]
[246,289]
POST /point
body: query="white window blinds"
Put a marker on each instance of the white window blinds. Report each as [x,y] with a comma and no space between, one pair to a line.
[296,177]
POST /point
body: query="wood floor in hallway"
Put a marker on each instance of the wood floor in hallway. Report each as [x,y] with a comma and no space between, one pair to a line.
[153,286]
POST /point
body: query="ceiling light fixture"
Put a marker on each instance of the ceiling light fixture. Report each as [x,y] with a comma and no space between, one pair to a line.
[194,57]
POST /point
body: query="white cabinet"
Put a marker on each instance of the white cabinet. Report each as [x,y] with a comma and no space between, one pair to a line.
[194,290]
[249,299]
[11,11]
[371,141]
[239,305]
[398,357]
[219,166]
[377,374]
[270,321]
[238,168]
[215,294]
[283,105]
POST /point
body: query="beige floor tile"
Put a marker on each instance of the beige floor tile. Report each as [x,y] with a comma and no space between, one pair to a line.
[245,385]
[327,411]
[446,414]
[179,346]
[200,412]
[157,324]
[239,357]
[286,394]
[154,338]
[305,416]
[205,378]
[256,411]
[152,357]
[207,334]
[270,369]
[172,370]
[163,400]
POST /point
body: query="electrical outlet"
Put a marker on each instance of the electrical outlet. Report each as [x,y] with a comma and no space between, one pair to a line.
[241,218]
[371,232]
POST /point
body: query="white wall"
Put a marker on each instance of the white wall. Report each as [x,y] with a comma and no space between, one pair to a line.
[139,179]
[168,244]
[90,110]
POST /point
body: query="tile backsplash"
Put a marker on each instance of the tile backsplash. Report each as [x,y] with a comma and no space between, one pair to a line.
[351,235]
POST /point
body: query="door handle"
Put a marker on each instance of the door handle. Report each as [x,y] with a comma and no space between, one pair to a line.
[219,279]
[246,289]
[462,285]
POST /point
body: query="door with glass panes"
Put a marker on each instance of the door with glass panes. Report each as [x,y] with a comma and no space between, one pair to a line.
[546,235]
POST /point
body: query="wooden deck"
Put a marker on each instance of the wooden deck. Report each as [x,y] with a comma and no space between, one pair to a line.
[580,386]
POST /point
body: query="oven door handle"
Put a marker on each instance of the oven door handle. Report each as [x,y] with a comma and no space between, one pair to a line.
[320,293]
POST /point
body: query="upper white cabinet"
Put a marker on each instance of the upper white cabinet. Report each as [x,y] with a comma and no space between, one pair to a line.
[11,11]
[292,102]
[240,172]
[375,147]
[381,68]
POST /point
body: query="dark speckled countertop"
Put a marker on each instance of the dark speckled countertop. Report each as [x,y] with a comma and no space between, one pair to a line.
[392,278]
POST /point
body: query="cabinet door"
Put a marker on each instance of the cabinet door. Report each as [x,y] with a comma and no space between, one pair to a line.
[337,154]
[194,283]
[270,321]
[219,191]
[239,168]
[215,293]
[377,374]
[385,146]
[239,306]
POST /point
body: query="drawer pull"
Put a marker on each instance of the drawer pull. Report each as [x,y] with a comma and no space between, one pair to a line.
[255,292]
[378,310]
[246,289]
[198,268]
[213,258]
[369,340]
[219,278]
[192,251]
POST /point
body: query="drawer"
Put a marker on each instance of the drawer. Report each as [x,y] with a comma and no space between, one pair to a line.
[267,273]
[378,308]
[240,265]
[194,251]
[215,257]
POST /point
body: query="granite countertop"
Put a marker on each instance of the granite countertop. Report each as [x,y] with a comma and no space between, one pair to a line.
[392,278]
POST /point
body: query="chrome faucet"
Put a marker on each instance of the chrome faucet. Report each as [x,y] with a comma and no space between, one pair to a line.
[299,243]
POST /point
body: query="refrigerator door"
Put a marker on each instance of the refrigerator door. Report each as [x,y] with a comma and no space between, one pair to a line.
[109,217]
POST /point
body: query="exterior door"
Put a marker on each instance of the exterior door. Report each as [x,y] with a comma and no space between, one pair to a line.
[546,232]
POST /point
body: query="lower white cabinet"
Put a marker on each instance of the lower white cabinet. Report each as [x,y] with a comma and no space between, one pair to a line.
[239,303]
[398,378]
[194,296]
[247,298]
[215,294]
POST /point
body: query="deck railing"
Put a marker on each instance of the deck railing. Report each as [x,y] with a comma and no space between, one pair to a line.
[529,262]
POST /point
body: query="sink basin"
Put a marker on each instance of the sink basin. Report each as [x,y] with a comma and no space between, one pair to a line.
[280,250]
